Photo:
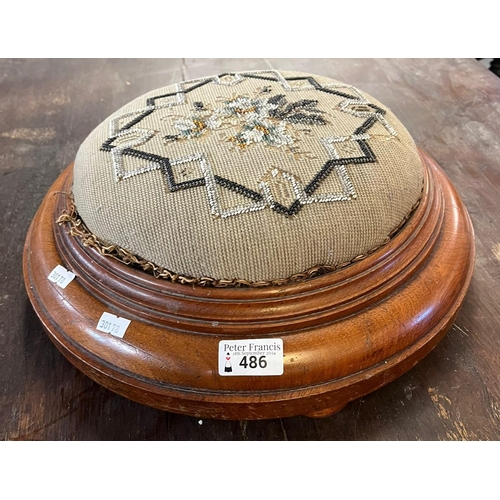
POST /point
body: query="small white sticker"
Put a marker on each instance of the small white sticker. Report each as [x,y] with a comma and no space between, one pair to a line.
[61,276]
[109,323]
[251,357]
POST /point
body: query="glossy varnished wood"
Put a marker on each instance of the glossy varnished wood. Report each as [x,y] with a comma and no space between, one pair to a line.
[345,333]
[48,108]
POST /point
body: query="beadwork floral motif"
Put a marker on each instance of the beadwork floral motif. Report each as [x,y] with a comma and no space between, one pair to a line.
[264,118]
[258,119]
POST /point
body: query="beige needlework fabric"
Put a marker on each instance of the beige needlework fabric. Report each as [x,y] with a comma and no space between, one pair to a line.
[252,175]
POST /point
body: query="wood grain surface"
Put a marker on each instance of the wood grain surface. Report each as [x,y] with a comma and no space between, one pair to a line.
[452,109]
[345,334]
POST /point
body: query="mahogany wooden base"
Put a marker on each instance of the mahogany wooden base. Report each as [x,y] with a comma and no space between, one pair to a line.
[344,334]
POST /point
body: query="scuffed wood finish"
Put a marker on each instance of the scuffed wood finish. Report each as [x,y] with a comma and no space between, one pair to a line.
[345,334]
[450,107]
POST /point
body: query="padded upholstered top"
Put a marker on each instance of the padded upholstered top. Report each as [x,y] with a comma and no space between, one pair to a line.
[251,176]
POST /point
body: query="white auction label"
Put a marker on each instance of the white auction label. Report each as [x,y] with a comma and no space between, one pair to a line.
[109,323]
[251,357]
[61,276]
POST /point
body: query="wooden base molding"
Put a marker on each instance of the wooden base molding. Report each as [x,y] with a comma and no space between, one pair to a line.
[344,334]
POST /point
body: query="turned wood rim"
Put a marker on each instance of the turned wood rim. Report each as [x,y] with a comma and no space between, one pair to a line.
[321,317]
[381,273]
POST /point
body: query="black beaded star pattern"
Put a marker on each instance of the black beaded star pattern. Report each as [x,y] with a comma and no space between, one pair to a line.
[300,111]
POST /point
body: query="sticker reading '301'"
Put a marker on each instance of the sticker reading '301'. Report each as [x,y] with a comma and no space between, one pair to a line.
[251,357]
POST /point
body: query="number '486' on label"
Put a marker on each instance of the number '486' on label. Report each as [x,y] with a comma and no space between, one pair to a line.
[251,357]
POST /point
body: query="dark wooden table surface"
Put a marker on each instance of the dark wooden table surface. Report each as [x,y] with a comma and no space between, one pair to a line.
[452,109]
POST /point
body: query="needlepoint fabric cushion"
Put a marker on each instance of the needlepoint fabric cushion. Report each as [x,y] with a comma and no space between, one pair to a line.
[251,176]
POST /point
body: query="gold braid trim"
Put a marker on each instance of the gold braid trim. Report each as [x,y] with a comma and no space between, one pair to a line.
[78,228]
